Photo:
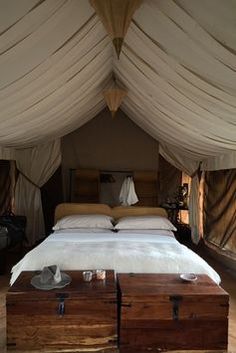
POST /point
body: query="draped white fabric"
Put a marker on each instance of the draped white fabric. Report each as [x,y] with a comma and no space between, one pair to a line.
[223,161]
[178,64]
[172,96]
[54,63]
[36,165]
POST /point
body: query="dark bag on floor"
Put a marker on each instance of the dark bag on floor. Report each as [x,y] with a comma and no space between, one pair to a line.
[3,237]
[15,228]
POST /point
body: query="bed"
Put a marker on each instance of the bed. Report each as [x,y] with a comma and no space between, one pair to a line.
[124,250]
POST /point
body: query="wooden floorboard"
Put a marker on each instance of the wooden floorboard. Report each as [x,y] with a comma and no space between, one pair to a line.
[228,283]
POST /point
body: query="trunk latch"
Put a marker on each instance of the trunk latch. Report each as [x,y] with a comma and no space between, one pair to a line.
[175,299]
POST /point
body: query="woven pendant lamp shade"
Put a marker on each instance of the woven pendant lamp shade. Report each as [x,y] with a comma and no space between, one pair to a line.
[113,98]
[116,16]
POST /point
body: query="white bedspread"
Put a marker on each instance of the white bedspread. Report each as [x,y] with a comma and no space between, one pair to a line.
[148,252]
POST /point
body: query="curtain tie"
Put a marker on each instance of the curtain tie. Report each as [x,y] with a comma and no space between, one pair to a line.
[197,171]
[28,179]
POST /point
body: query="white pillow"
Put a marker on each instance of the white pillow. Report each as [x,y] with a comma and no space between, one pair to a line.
[162,232]
[84,221]
[144,222]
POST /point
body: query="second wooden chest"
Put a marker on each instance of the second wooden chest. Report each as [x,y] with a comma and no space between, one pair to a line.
[159,312]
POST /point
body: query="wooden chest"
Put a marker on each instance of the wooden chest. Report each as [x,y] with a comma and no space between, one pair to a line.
[160,312]
[79,317]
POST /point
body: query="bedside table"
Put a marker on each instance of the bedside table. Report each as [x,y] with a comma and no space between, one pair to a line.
[183,233]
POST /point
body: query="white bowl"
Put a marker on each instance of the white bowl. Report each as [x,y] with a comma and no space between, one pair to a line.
[188,277]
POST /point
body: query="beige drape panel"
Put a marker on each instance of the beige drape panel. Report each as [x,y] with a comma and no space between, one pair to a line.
[220,211]
[181,80]
[36,165]
[169,180]
[194,209]
[190,167]
[7,153]
[5,186]
[223,161]
[55,61]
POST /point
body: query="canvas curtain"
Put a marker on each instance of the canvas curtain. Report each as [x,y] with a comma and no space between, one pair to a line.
[191,168]
[5,186]
[169,180]
[36,165]
[220,211]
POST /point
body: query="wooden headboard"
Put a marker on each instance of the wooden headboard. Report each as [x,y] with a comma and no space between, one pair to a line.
[67,209]
[124,211]
[86,185]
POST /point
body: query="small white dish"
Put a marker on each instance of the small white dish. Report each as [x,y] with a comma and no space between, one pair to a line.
[188,277]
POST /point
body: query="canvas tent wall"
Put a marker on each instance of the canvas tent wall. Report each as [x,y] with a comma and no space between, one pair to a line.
[177,64]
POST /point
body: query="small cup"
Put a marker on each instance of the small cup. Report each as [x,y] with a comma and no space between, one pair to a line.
[101,274]
[87,276]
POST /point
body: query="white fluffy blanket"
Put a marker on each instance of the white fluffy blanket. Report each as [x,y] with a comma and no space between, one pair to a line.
[123,251]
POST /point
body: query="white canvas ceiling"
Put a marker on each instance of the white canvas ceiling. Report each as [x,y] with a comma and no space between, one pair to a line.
[178,64]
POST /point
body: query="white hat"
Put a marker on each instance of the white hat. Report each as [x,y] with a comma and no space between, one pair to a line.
[51,277]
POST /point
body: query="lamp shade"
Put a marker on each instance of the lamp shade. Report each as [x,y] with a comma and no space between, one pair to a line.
[113,98]
[116,16]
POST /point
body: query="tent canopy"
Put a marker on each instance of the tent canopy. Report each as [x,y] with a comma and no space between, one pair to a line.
[178,64]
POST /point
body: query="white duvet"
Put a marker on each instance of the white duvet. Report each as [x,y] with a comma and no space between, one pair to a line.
[125,251]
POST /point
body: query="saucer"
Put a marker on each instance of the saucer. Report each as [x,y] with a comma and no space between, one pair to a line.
[188,277]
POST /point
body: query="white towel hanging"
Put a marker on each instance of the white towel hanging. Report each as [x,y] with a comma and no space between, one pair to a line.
[128,195]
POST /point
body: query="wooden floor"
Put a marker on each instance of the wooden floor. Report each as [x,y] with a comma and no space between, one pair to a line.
[228,283]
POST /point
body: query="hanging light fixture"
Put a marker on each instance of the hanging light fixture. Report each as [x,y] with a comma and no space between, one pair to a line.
[113,98]
[116,16]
